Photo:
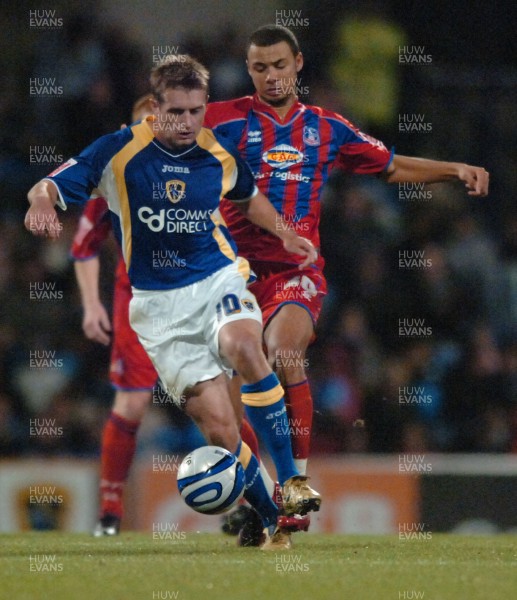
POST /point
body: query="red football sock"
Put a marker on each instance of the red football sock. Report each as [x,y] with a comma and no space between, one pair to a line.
[298,400]
[248,437]
[118,449]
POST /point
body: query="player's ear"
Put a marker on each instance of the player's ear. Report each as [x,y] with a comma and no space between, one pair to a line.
[155,105]
[299,62]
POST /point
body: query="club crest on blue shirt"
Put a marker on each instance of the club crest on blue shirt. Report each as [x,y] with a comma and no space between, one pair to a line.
[311,136]
[175,190]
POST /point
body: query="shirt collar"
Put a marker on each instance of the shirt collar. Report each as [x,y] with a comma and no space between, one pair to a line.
[261,106]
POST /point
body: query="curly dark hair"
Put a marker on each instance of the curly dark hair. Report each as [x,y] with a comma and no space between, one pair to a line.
[268,35]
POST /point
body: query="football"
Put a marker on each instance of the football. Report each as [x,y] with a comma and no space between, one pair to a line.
[211,480]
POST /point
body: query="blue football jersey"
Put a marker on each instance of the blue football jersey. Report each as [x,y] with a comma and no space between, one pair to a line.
[164,206]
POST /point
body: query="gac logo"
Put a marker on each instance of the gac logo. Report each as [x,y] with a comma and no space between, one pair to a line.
[282,156]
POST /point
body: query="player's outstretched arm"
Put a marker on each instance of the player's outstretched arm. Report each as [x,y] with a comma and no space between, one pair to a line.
[261,212]
[41,218]
[411,169]
[96,323]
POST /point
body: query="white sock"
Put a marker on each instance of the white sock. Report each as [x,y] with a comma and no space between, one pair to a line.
[268,482]
[301,465]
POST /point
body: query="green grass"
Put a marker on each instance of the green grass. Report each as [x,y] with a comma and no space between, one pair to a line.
[210,567]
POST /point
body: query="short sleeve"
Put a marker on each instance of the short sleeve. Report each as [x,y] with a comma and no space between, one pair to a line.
[77,177]
[358,152]
[93,228]
[244,188]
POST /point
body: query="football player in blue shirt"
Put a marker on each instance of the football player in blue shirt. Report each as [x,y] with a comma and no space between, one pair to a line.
[163,178]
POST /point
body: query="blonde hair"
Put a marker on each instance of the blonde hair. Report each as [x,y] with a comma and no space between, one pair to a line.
[178,71]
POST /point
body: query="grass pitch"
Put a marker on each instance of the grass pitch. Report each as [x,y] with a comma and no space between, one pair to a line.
[134,566]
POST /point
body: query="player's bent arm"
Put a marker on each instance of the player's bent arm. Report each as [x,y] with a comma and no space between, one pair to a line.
[411,169]
[96,323]
[43,191]
[261,212]
[41,218]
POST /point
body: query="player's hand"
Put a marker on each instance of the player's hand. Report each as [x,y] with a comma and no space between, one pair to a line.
[300,245]
[96,324]
[475,178]
[42,220]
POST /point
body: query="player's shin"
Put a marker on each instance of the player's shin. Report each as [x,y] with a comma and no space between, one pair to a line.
[265,410]
[248,437]
[118,449]
[298,400]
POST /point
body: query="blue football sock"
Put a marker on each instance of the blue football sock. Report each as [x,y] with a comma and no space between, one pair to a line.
[265,409]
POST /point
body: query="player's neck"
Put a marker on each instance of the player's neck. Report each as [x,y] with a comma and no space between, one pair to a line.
[174,149]
[283,107]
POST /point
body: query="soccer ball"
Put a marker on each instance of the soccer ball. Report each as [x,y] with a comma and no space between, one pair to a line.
[211,480]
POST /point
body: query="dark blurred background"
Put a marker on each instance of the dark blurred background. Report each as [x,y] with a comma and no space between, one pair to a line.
[452,388]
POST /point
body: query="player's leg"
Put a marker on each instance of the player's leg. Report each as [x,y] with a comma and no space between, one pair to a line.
[117,453]
[239,326]
[247,432]
[243,520]
[291,301]
[240,343]
[238,346]
[234,389]
[287,338]
[208,404]
[133,377]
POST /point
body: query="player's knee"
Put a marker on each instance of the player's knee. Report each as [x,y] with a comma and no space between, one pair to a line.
[132,405]
[286,357]
[244,348]
[224,434]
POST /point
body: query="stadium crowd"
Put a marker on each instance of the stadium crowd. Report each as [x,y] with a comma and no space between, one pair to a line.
[438,261]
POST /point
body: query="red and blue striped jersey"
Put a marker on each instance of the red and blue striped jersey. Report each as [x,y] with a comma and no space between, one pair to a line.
[93,228]
[291,160]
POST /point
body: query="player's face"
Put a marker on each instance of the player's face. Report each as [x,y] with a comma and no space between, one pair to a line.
[274,71]
[179,116]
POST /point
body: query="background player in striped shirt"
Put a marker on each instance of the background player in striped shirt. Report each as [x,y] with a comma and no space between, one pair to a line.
[131,371]
[291,148]
[193,314]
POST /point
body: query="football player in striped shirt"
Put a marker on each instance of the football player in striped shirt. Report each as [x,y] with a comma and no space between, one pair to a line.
[291,148]
[131,371]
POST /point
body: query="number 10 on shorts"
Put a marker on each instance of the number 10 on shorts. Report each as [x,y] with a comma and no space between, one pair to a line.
[230,305]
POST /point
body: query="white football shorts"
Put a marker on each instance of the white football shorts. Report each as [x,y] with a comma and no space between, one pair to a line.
[179,328]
